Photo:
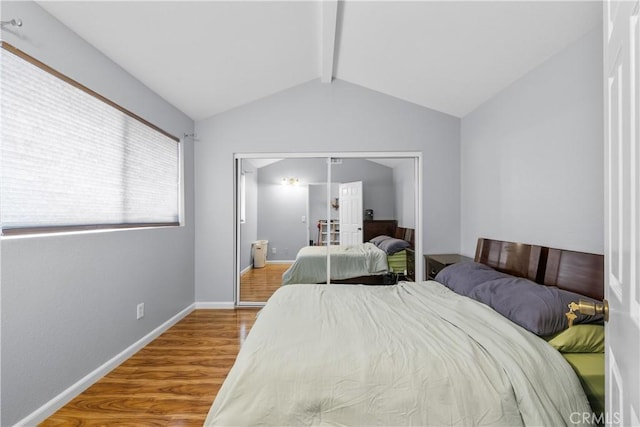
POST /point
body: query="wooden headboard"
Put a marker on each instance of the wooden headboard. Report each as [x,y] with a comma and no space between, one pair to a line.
[379,227]
[407,234]
[388,227]
[573,271]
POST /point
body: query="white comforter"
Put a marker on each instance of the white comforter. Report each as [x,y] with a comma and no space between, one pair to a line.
[346,261]
[411,354]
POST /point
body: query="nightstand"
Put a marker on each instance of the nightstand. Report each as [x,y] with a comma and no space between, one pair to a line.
[410,275]
[435,263]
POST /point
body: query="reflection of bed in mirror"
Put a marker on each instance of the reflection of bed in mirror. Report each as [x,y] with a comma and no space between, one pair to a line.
[287,215]
[382,260]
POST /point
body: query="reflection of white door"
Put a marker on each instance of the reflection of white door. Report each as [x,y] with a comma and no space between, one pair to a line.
[351,213]
[622,208]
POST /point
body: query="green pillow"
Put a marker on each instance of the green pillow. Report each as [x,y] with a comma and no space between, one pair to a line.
[580,339]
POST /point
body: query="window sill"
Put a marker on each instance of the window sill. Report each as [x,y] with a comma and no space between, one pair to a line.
[80,230]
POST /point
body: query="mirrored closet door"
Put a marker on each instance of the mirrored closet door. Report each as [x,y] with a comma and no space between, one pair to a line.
[290,204]
[273,196]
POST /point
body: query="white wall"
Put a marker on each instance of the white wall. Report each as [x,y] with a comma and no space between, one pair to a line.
[317,117]
[532,157]
[68,302]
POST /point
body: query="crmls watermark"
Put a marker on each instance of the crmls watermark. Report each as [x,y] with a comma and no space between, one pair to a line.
[593,418]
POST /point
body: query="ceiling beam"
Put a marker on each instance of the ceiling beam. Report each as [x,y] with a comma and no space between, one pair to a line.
[329,20]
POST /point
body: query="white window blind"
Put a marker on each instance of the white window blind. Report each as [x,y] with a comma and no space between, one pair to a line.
[73,159]
[243,198]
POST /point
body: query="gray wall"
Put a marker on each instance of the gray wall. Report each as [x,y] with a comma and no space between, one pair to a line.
[532,168]
[404,190]
[68,302]
[318,207]
[280,208]
[317,117]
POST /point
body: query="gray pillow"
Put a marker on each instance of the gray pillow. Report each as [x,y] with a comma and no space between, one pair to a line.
[537,308]
[462,277]
[393,245]
[376,240]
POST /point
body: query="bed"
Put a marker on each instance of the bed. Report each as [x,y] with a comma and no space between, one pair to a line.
[378,261]
[418,353]
[579,272]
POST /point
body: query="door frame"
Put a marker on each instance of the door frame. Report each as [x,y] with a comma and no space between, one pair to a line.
[237,157]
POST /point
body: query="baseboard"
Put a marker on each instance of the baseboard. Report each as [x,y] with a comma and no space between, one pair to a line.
[215,305]
[65,397]
[281,261]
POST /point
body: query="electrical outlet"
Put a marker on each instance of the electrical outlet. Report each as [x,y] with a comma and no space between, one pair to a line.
[140,311]
[274,251]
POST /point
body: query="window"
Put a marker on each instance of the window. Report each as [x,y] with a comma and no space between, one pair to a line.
[71,159]
[243,198]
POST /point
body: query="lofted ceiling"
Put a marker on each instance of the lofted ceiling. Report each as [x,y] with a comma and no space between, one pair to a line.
[207,57]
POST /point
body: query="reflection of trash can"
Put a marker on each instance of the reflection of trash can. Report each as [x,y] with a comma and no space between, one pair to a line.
[259,252]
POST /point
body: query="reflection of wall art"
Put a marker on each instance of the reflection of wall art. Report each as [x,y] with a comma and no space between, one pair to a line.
[335,204]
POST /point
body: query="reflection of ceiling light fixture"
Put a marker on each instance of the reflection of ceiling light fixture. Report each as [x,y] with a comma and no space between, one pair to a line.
[290,181]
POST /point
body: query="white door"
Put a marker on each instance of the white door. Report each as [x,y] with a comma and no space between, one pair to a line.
[622,226]
[350,202]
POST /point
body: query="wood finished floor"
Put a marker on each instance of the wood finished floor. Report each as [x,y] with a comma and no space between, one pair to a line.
[258,284]
[170,382]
